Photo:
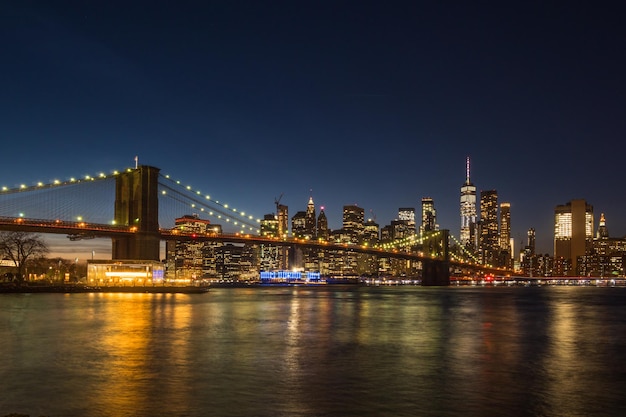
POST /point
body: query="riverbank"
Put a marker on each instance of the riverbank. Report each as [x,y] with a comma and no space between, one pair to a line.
[77,288]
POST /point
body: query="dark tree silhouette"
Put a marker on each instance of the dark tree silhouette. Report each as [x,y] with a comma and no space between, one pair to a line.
[20,247]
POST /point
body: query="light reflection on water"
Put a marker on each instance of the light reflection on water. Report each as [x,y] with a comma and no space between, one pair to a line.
[300,351]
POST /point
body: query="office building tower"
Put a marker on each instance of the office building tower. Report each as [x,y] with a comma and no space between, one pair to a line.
[573,231]
[322,225]
[531,241]
[505,227]
[282,213]
[298,225]
[407,214]
[468,208]
[489,242]
[603,232]
[429,216]
[311,225]
[371,232]
[353,221]
[269,226]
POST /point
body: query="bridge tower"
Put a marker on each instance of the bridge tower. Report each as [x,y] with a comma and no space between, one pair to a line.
[436,272]
[137,205]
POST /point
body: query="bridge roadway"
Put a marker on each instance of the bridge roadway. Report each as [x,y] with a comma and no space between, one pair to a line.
[82,230]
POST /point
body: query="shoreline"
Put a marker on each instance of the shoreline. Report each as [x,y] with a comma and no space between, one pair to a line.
[69,289]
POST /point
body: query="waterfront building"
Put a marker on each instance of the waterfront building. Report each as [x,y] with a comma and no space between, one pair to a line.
[429,216]
[192,259]
[489,245]
[468,208]
[573,232]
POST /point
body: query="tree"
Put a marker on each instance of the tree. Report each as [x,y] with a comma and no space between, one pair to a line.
[20,247]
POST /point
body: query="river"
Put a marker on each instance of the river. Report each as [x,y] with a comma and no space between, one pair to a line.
[316,351]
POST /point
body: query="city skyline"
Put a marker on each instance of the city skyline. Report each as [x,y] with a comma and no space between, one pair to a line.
[377,105]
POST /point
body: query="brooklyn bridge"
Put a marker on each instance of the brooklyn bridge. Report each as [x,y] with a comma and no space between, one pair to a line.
[136,208]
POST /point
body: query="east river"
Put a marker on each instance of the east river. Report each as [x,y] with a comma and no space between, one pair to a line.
[322,351]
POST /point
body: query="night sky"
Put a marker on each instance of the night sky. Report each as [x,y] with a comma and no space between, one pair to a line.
[370,103]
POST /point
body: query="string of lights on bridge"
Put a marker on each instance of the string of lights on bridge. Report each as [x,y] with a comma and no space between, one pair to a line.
[224,212]
[240,218]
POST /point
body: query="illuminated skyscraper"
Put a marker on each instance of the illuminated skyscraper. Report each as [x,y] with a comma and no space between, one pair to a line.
[429,215]
[489,243]
[283,220]
[407,214]
[322,225]
[505,227]
[573,231]
[311,225]
[531,241]
[468,207]
[353,221]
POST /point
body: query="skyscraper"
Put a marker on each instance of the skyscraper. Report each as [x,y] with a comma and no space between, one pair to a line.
[353,221]
[531,241]
[311,225]
[468,207]
[505,227]
[407,214]
[429,215]
[322,225]
[573,231]
[489,243]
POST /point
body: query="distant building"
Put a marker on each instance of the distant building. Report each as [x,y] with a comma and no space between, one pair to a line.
[269,226]
[429,216]
[506,246]
[573,232]
[353,222]
[407,214]
[323,232]
[310,220]
[489,244]
[468,208]
[299,225]
[282,214]
[192,259]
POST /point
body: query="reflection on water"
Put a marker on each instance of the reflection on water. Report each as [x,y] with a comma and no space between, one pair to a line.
[328,351]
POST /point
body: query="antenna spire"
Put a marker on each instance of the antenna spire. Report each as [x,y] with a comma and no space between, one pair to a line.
[136,161]
[467,169]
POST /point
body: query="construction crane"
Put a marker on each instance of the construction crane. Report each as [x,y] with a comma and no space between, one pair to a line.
[277,202]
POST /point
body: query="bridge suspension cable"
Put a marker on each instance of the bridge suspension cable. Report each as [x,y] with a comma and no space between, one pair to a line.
[197,201]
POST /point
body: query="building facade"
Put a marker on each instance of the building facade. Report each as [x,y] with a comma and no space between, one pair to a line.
[573,233]
[468,208]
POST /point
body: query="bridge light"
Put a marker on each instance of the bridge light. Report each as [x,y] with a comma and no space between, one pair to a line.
[4,188]
[225,205]
[163,192]
[40,184]
[21,214]
[198,192]
[116,172]
[189,187]
[22,186]
[79,218]
[72,179]
[208,197]
[101,175]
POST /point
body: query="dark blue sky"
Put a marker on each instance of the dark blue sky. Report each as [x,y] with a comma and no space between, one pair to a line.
[373,103]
